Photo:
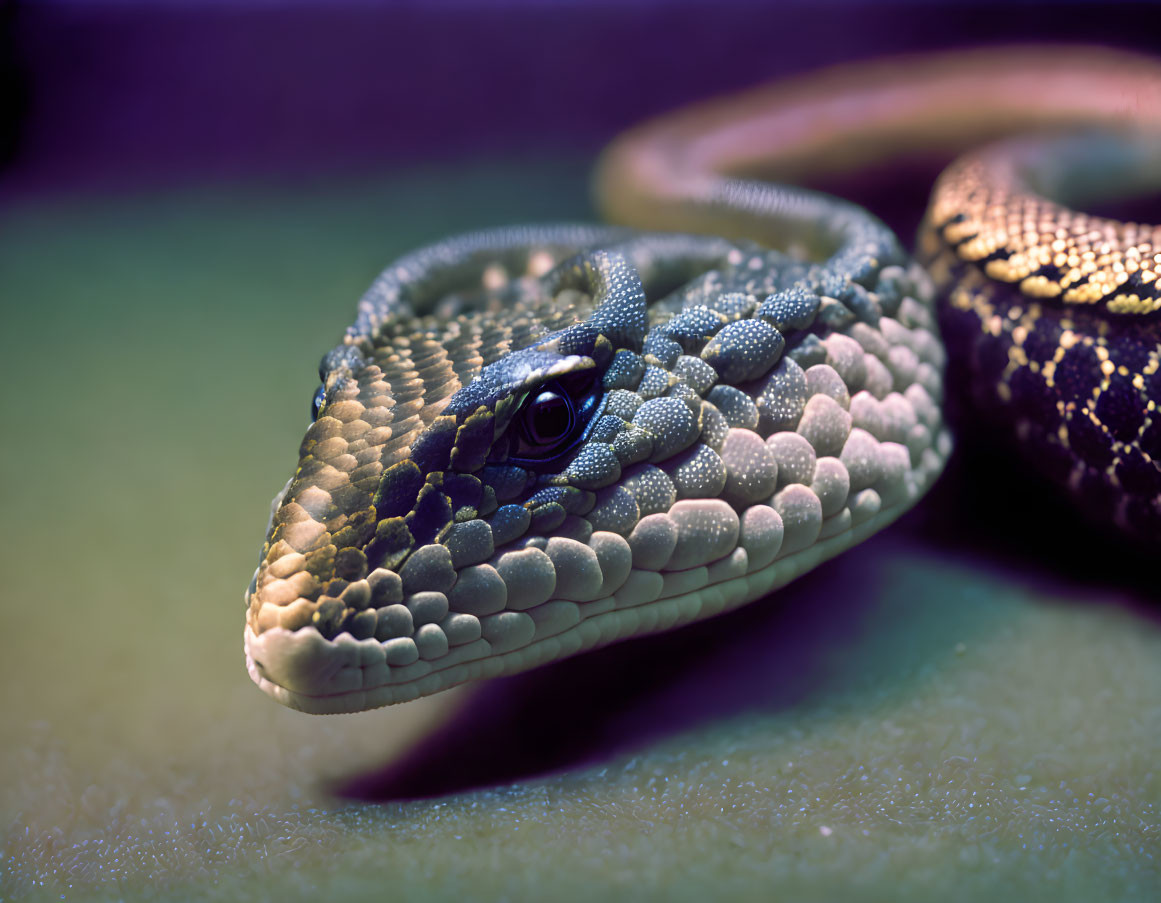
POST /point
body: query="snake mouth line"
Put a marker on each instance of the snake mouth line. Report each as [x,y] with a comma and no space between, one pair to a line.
[351,662]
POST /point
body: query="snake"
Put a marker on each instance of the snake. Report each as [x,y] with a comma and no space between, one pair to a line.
[538,440]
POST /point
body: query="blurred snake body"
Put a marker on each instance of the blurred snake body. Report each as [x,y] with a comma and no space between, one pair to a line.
[537,440]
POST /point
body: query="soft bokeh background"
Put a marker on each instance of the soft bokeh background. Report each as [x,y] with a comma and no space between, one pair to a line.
[192,197]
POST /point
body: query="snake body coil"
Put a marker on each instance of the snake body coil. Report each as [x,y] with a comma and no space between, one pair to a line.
[1052,318]
[535,441]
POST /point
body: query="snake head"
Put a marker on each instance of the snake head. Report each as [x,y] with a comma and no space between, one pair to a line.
[435,443]
[503,472]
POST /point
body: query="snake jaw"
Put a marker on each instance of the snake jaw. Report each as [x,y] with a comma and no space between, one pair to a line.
[735,443]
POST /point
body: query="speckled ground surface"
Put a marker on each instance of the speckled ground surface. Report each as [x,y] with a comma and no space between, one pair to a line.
[965,708]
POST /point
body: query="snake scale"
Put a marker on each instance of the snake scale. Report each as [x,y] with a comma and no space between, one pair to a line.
[537,440]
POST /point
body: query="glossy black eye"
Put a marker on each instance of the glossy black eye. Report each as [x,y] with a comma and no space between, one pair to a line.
[320,398]
[548,418]
[554,418]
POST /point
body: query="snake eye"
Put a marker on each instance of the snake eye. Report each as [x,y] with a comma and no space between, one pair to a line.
[548,418]
[553,419]
[546,425]
[320,398]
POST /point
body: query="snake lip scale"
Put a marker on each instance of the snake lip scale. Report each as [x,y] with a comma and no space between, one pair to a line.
[537,440]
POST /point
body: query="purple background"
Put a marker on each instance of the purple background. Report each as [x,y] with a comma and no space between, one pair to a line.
[106,94]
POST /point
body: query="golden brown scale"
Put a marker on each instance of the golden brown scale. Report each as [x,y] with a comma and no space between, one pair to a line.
[1050,251]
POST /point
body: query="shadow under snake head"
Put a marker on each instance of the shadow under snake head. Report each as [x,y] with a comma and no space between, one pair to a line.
[538,441]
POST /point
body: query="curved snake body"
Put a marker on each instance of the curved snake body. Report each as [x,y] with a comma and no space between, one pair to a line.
[1056,335]
[535,441]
